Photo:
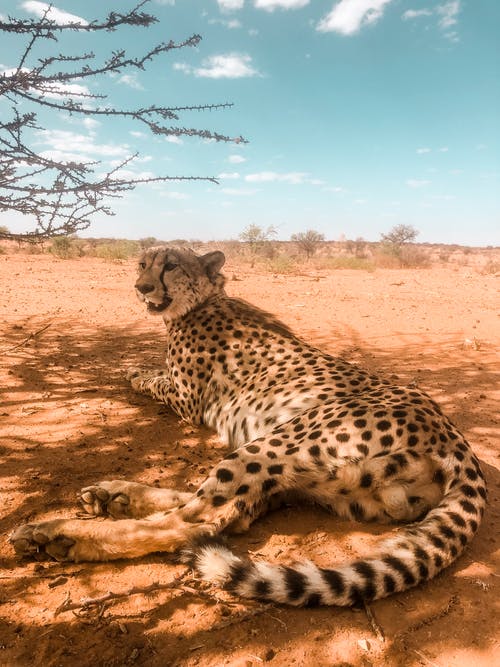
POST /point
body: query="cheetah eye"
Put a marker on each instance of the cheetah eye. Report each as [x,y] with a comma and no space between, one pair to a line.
[170,266]
[142,265]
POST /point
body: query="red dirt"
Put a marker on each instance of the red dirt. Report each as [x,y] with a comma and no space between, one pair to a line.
[70,328]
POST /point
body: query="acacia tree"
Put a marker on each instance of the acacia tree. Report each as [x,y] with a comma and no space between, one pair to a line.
[308,241]
[399,235]
[61,196]
[256,237]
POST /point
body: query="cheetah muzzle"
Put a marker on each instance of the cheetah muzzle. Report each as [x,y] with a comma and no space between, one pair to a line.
[298,423]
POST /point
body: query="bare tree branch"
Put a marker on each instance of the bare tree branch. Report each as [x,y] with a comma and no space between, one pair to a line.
[61,196]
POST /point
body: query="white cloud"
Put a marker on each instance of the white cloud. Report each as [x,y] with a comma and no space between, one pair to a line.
[54,14]
[443,149]
[174,139]
[271,5]
[90,123]
[65,142]
[416,13]
[253,32]
[131,80]
[236,159]
[294,178]
[137,134]
[448,13]
[225,175]
[227,23]
[349,16]
[224,66]
[230,5]
[416,183]
[421,151]
[334,188]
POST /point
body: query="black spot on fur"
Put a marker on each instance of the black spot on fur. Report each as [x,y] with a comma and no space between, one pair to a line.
[399,566]
[238,573]
[389,583]
[437,541]
[217,501]
[254,467]
[357,511]
[314,450]
[468,507]
[366,480]
[268,484]
[383,425]
[262,588]
[275,469]
[224,475]
[387,440]
[295,583]
[241,490]
[390,469]
[335,580]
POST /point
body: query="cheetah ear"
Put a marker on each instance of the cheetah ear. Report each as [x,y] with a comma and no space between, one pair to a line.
[212,262]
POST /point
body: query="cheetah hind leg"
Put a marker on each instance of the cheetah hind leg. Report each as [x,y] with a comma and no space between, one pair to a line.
[120,499]
[146,381]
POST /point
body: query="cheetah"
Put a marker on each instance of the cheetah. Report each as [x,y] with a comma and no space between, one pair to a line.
[299,423]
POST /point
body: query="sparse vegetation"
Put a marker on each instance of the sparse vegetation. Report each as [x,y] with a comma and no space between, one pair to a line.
[117,249]
[344,262]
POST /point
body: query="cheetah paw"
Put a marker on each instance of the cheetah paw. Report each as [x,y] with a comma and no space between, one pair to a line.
[33,540]
[107,499]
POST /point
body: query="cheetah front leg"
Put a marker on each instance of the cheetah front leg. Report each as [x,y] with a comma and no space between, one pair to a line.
[120,499]
[237,490]
[77,540]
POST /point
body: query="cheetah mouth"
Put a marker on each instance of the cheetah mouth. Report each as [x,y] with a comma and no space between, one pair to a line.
[158,307]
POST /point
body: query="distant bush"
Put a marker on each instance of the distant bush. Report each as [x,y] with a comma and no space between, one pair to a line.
[116,249]
[64,247]
[491,267]
[343,262]
[282,264]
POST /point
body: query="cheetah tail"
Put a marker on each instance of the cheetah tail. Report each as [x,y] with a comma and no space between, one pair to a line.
[416,553]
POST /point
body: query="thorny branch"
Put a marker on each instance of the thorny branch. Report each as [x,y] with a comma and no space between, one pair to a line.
[61,195]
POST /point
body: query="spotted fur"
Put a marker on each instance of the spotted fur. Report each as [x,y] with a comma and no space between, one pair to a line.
[300,423]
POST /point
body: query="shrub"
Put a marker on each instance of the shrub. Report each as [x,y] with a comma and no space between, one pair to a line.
[282,264]
[64,247]
[117,249]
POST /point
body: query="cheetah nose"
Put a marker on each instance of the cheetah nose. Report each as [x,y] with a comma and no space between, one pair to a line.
[144,288]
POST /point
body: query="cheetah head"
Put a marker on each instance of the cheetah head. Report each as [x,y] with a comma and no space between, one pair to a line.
[173,281]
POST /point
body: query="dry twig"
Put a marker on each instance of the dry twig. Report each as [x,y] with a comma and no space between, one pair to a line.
[28,338]
[377,630]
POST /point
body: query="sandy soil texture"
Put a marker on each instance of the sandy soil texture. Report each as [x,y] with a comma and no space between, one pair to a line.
[69,329]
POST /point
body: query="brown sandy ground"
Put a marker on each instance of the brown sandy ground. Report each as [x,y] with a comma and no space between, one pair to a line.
[68,418]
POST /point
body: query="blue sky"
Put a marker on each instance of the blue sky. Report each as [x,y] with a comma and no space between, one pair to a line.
[360,115]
